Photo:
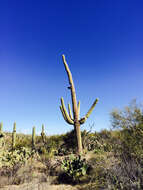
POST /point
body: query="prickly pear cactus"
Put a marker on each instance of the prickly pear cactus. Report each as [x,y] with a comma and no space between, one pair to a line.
[10,158]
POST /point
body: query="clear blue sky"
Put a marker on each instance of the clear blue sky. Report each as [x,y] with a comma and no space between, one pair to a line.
[103,44]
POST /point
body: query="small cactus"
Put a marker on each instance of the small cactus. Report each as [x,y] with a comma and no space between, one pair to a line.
[14,136]
[43,134]
[1,135]
[1,129]
[33,137]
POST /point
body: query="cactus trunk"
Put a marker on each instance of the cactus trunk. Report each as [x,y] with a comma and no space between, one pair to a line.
[76,109]
[43,134]
[78,136]
[14,136]
[1,135]
[1,128]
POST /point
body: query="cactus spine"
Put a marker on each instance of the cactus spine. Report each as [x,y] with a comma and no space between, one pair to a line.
[14,136]
[74,120]
[33,137]
[43,134]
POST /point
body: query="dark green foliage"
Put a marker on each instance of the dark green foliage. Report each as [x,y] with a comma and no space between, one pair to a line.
[69,144]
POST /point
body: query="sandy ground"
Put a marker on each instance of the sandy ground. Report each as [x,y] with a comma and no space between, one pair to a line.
[38,186]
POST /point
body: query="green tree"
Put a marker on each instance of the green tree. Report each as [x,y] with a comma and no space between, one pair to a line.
[130,121]
[127,118]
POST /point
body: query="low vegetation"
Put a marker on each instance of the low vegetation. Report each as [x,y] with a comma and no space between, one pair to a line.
[111,159]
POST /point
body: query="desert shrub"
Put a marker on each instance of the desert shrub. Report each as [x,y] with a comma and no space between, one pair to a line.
[132,142]
[121,175]
[128,149]
[75,167]
[69,142]
[57,144]
[127,118]
[88,140]
[53,143]
[98,142]
[50,147]
[130,122]
[23,141]
[125,175]
[105,134]
[91,141]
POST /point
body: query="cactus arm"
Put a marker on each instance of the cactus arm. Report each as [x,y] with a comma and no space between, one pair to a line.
[70,112]
[72,88]
[68,119]
[63,114]
[42,128]
[91,109]
[82,120]
[14,127]
[78,107]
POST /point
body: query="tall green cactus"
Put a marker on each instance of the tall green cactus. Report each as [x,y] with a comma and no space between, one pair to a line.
[43,134]
[1,135]
[1,129]
[73,119]
[33,137]
[14,136]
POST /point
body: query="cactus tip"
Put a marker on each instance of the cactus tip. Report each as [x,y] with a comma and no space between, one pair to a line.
[63,56]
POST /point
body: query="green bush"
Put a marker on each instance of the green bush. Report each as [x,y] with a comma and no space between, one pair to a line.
[132,142]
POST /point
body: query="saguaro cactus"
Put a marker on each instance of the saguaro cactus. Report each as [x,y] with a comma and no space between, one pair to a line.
[14,136]
[73,119]
[1,129]
[1,135]
[33,137]
[43,134]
